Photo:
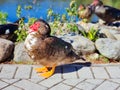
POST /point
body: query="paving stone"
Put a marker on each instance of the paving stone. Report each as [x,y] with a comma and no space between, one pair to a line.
[27,85]
[10,81]
[95,81]
[85,72]
[50,82]
[0,68]
[100,73]
[11,88]
[35,74]
[35,80]
[2,84]
[114,71]
[72,82]
[107,85]
[58,73]
[115,80]
[86,86]
[8,71]
[61,86]
[23,71]
[118,88]
[69,72]
[75,89]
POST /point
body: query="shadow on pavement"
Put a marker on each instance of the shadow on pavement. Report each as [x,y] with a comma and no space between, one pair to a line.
[67,68]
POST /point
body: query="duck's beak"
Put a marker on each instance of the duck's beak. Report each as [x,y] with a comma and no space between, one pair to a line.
[92,6]
[30,31]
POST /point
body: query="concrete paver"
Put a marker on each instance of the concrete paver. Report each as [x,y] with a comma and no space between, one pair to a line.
[24,77]
[8,71]
[50,82]
[11,88]
[73,82]
[23,72]
[86,86]
[107,85]
[27,85]
[114,71]
[69,72]
[99,72]
[10,81]
[61,86]
[85,72]
[3,84]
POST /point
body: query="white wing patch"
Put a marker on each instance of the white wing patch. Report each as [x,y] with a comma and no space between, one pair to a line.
[7,31]
[30,42]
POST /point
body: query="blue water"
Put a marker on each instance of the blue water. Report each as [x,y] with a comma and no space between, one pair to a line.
[39,8]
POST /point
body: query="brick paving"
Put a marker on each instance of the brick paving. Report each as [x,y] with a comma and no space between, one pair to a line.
[66,77]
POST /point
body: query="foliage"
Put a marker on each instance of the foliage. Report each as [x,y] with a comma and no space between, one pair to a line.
[72,10]
[18,11]
[28,7]
[56,28]
[104,59]
[72,27]
[64,18]
[49,14]
[52,15]
[31,21]
[21,33]
[91,34]
[3,17]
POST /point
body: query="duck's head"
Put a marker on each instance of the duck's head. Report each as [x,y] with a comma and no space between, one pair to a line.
[97,2]
[81,7]
[40,27]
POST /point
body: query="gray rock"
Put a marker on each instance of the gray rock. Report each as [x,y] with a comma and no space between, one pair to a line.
[110,32]
[87,26]
[110,48]
[80,43]
[20,54]
[6,49]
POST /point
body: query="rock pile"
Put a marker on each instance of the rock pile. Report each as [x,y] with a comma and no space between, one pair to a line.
[109,46]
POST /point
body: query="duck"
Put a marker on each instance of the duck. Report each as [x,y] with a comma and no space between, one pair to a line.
[85,13]
[7,30]
[107,13]
[47,50]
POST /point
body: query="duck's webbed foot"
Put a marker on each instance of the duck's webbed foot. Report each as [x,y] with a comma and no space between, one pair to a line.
[46,72]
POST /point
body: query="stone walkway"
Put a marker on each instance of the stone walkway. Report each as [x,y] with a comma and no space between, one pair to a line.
[66,77]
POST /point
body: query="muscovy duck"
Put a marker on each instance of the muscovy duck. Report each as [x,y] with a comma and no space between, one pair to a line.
[106,13]
[46,49]
[84,12]
[7,30]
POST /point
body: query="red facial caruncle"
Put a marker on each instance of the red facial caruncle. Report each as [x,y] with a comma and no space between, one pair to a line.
[95,2]
[34,27]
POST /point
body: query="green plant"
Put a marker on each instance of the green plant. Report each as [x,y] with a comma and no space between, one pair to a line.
[64,18]
[104,59]
[31,20]
[56,27]
[91,34]
[21,32]
[72,27]
[72,10]
[28,7]
[49,14]
[56,17]
[3,17]
[18,11]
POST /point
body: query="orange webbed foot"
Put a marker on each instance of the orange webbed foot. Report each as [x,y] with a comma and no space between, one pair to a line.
[46,72]
[41,70]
